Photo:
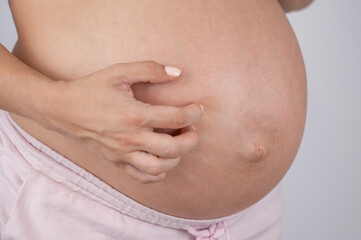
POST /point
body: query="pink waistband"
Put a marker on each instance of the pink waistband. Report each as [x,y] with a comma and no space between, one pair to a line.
[56,166]
[213,232]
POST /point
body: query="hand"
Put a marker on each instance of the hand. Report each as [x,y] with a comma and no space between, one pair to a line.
[99,110]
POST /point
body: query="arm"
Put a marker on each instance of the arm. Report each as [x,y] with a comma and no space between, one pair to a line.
[292,5]
[22,89]
[99,111]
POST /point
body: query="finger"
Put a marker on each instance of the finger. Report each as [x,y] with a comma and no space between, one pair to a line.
[165,145]
[156,116]
[159,144]
[141,176]
[149,163]
[187,140]
[145,71]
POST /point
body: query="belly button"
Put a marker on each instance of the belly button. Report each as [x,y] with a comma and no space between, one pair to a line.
[256,152]
[260,152]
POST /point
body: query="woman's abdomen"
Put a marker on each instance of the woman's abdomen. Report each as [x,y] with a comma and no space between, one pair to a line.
[240,59]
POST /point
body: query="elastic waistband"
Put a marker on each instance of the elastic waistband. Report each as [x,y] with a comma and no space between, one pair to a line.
[59,168]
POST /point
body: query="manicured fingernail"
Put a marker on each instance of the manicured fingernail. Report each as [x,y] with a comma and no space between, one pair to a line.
[202,108]
[173,71]
[194,128]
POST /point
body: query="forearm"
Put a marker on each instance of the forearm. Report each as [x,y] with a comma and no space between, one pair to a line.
[23,90]
[292,5]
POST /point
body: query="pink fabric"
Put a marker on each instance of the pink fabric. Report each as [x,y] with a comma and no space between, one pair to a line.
[44,195]
[215,231]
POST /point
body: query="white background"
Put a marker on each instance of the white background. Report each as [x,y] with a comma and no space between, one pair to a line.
[323,187]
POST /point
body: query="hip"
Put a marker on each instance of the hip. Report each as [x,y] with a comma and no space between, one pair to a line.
[51,183]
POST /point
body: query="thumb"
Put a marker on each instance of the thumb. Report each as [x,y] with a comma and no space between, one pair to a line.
[145,72]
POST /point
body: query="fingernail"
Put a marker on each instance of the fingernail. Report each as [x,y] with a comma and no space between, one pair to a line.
[202,108]
[194,128]
[173,71]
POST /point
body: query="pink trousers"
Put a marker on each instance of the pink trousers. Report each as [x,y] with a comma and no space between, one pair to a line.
[45,196]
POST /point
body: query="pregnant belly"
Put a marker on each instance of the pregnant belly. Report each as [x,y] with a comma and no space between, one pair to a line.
[240,59]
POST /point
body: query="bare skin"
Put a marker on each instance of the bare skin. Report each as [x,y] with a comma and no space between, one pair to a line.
[124,131]
[250,79]
[294,5]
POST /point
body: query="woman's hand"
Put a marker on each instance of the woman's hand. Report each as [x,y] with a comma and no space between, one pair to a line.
[100,111]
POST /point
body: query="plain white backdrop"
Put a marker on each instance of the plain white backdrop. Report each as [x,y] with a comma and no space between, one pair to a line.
[323,187]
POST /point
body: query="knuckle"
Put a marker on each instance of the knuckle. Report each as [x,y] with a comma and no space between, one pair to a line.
[179,118]
[147,115]
[127,139]
[173,149]
[150,66]
[155,168]
[134,118]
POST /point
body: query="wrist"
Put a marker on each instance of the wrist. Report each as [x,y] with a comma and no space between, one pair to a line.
[44,101]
